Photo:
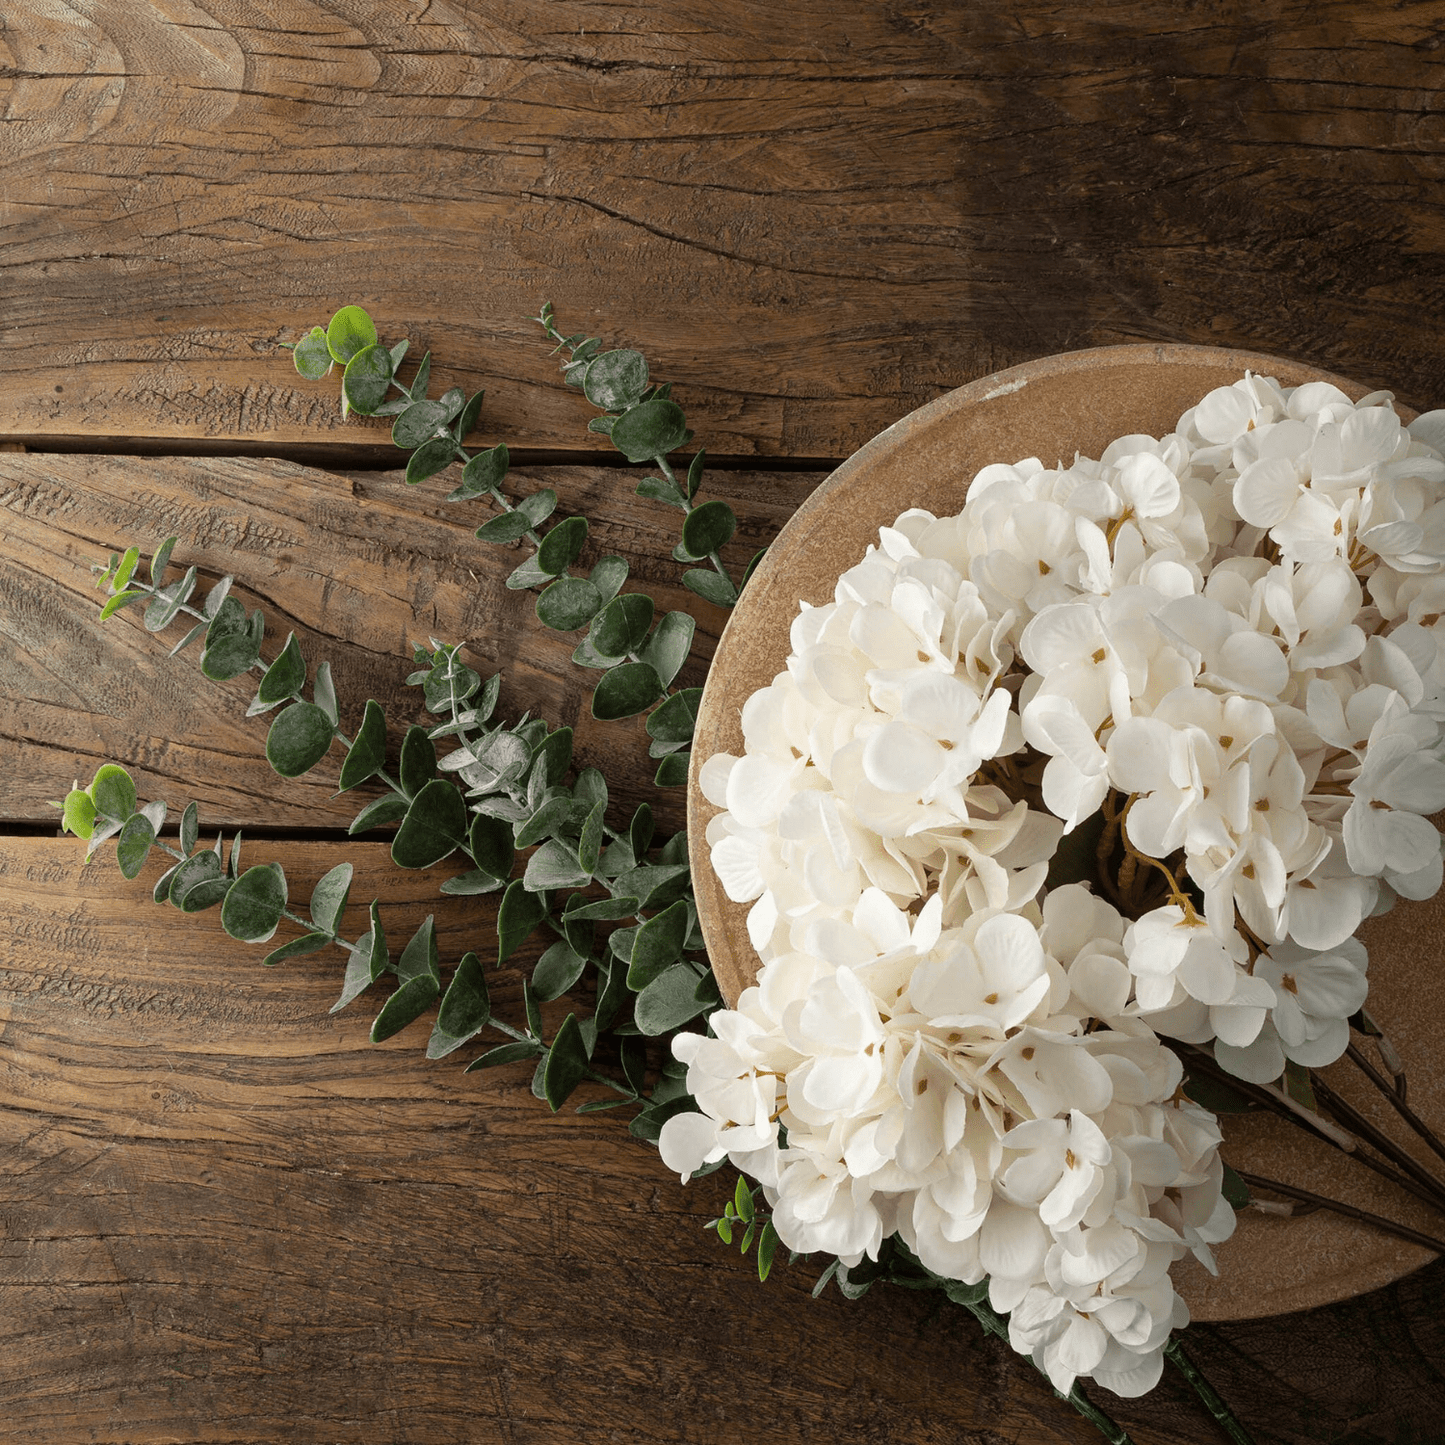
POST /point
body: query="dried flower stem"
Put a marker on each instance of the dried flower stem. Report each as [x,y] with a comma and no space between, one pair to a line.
[1395,1096]
[1318,1201]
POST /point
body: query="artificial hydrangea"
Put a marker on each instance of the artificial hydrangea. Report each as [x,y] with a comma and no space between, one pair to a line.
[1224,646]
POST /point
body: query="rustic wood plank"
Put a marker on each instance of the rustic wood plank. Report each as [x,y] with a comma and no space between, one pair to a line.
[814,220]
[228,1217]
[358,564]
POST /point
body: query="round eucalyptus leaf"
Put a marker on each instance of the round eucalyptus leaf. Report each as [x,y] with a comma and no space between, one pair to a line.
[297,948]
[328,898]
[539,505]
[367,379]
[622,625]
[626,691]
[351,330]
[134,843]
[672,771]
[113,792]
[198,868]
[616,380]
[78,816]
[430,458]
[561,545]
[504,527]
[285,677]
[669,645]
[650,430]
[408,1003]
[491,846]
[435,826]
[669,1001]
[299,738]
[230,655]
[254,905]
[674,721]
[205,894]
[569,603]
[557,970]
[710,586]
[708,528]
[486,471]
[418,423]
[312,355]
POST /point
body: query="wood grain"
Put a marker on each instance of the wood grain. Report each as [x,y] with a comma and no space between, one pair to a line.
[227,1217]
[814,217]
[360,565]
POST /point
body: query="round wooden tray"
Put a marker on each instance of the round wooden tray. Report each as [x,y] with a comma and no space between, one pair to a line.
[1051,408]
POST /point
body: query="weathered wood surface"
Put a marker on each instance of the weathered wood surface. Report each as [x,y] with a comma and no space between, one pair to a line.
[229,1218]
[359,565]
[813,216]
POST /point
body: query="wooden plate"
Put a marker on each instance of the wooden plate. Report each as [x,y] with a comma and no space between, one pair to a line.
[1051,408]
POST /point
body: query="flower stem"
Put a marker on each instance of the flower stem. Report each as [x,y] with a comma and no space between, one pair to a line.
[1106,1425]
[1304,1196]
[1396,1102]
[1226,1418]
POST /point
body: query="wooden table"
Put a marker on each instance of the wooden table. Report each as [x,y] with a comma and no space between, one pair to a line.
[226,1215]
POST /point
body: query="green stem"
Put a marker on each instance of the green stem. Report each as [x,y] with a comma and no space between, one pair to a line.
[687,507]
[1223,1415]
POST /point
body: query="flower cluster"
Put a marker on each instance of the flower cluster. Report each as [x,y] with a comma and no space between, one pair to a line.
[1123,752]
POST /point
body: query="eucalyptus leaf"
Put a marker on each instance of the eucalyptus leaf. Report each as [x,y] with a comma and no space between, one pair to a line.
[650,430]
[312,356]
[380,956]
[133,844]
[254,904]
[520,913]
[529,574]
[672,771]
[471,883]
[710,586]
[78,813]
[328,898]
[656,884]
[418,761]
[299,738]
[675,720]
[419,423]
[169,601]
[420,381]
[162,889]
[434,827]
[659,489]
[708,528]
[504,527]
[206,894]
[625,691]
[589,844]
[367,754]
[566,1063]
[358,975]
[752,567]
[590,787]
[491,846]
[198,868]
[323,692]
[562,816]
[694,473]
[286,676]
[297,948]
[554,865]
[367,379]
[420,954]
[405,1006]
[379,812]
[605,909]
[189,638]
[555,754]
[668,1002]
[484,473]
[429,459]
[125,570]
[585,655]
[120,600]
[569,603]
[112,792]
[216,596]
[351,330]
[658,945]
[399,351]
[561,545]
[505,1054]
[648,1124]
[616,380]
[640,830]
[557,970]
[622,625]
[468,417]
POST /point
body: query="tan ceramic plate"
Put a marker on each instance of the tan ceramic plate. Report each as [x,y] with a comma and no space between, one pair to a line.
[1052,408]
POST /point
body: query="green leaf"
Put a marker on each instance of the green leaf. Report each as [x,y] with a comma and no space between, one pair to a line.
[255,903]
[189,638]
[367,754]
[557,970]
[589,844]
[418,761]
[423,376]
[656,884]
[380,956]
[121,599]
[724,1229]
[312,356]
[557,816]
[616,380]
[640,830]
[78,815]
[162,890]
[126,570]
[659,489]
[520,912]
[419,957]
[299,738]
[419,423]
[1217,1096]
[399,351]
[323,692]
[378,812]
[161,560]
[650,430]
[648,1124]
[1234,1189]
[708,528]
[658,945]
[566,1062]
[505,1054]
[743,1200]
[534,1013]
[622,625]
[602,424]
[608,576]
[625,691]
[466,1008]
[468,416]
[710,586]
[604,909]
[367,379]
[504,527]
[112,792]
[767,1249]
[590,787]
[190,828]
[297,948]
[529,574]
[752,567]
[358,975]
[351,330]
[555,754]
[328,898]
[490,844]
[470,883]
[674,721]
[569,603]
[435,826]
[483,474]
[694,473]
[169,601]
[554,865]
[134,843]
[206,894]
[286,676]
[668,647]
[230,646]
[669,1001]
[430,458]
[561,545]
[215,597]
[198,868]
[405,1006]
[672,771]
